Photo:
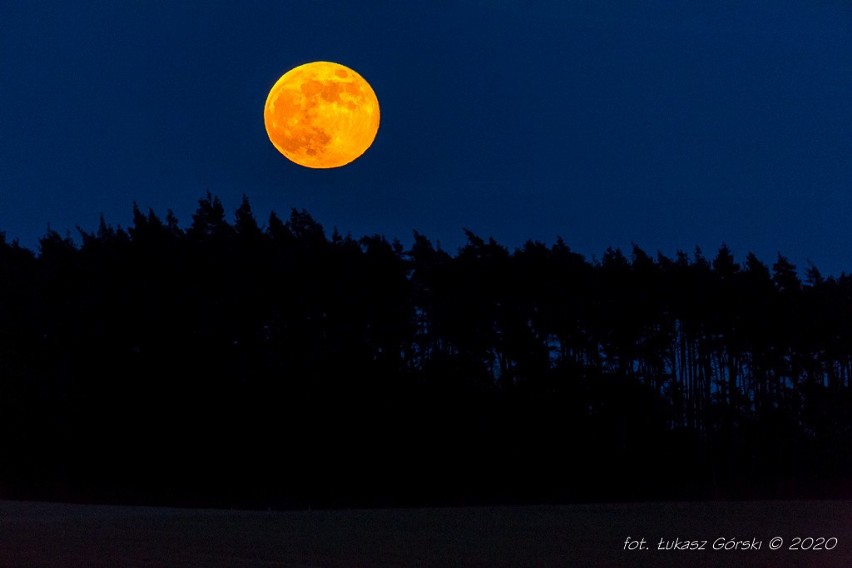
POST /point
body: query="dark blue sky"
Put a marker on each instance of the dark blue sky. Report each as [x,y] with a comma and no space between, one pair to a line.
[668,124]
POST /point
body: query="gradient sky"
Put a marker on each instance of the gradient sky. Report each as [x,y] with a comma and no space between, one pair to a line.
[665,123]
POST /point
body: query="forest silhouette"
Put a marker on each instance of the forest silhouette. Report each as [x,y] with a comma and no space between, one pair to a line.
[248,365]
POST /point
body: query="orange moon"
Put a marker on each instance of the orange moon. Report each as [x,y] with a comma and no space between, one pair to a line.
[321,115]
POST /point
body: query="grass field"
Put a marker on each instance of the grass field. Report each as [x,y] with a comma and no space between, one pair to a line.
[47,534]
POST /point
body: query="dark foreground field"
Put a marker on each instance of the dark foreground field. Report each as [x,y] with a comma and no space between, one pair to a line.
[43,534]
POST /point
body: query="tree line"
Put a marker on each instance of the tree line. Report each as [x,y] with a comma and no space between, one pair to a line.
[273,365]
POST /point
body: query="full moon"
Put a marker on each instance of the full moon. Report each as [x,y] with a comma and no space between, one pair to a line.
[321,115]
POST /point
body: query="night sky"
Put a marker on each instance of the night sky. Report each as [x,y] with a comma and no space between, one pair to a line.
[668,124]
